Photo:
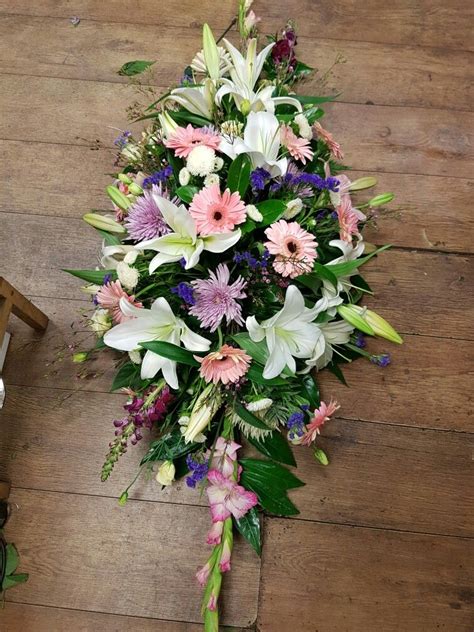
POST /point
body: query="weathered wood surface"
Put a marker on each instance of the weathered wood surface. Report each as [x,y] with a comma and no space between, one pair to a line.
[88,553]
[400,22]
[345,579]
[407,75]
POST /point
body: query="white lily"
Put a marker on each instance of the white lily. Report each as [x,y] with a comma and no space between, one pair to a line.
[244,74]
[112,255]
[184,242]
[157,323]
[333,333]
[349,253]
[289,334]
[261,142]
[198,99]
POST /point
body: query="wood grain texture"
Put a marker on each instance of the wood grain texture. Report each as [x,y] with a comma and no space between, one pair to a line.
[88,553]
[390,395]
[18,617]
[443,281]
[406,75]
[400,22]
[380,475]
[375,138]
[353,580]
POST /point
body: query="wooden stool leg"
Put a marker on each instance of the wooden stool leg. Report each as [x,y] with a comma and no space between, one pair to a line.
[22,307]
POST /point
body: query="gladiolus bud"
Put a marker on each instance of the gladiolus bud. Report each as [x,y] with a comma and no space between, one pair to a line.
[77,358]
[135,189]
[123,498]
[124,178]
[379,325]
[363,183]
[211,54]
[102,222]
[380,200]
[117,197]
[352,314]
[204,410]
[166,473]
[321,456]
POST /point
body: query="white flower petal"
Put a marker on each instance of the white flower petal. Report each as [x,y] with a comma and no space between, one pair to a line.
[151,364]
[222,241]
[193,341]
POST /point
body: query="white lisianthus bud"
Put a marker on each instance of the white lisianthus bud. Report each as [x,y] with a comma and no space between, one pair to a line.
[166,473]
[184,177]
[211,179]
[131,256]
[201,161]
[303,126]
[218,163]
[260,404]
[293,208]
[253,212]
[135,356]
[127,276]
[100,321]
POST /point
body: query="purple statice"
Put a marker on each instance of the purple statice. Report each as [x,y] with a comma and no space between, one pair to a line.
[107,279]
[359,340]
[145,220]
[185,292]
[249,259]
[381,359]
[198,470]
[259,178]
[216,298]
[158,177]
[122,140]
[295,424]
[316,181]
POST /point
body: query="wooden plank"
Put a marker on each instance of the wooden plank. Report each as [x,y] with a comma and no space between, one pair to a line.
[353,579]
[87,553]
[390,395]
[430,212]
[25,618]
[405,75]
[416,279]
[400,22]
[22,307]
[381,475]
[391,139]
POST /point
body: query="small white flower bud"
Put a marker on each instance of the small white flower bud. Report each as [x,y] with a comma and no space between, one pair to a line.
[184,177]
[218,163]
[293,208]
[303,126]
[135,356]
[253,212]
[211,179]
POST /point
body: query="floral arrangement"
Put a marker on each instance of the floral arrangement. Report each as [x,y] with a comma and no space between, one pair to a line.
[230,275]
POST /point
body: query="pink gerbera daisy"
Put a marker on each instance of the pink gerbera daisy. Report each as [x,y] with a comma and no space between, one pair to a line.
[184,139]
[334,147]
[228,364]
[108,296]
[299,148]
[216,212]
[349,218]
[320,416]
[294,248]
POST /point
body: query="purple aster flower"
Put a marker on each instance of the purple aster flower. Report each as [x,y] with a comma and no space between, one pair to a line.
[259,178]
[295,425]
[157,177]
[198,469]
[215,298]
[144,219]
[185,292]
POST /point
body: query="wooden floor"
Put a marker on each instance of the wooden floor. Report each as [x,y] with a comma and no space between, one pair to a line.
[384,541]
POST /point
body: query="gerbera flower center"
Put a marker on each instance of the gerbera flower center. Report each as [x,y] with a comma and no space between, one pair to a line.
[292,247]
[218,215]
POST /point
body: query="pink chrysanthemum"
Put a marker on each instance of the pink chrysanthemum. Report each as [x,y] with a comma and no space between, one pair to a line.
[184,139]
[299,148]
[226,365]
[144,219]
[334,147]
[108,296]
[216,212]
[216,299]
[320,416]
[348,218]
[293,247]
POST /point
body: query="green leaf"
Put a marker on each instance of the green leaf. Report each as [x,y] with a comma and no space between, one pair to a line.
[109,238]
[93,276]
[323,272]
[337,371]
[167,448]
[302,69]
[249,527]
[125,376]
[310,390]
[170,351]
[346,267]
[13,559]
[175,163]
[271,210]
[270,481]
[249,417]
[186,193]
[136,67]
[255,374]
[321,456]
[13,580]
[183,116]
[276,447]
[256,350]
[238,178]
[312,100]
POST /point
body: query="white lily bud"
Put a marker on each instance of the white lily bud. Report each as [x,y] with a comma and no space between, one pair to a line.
[363,183]
[117,197]
[168,125]
[211,54]
[204,410]
[103,222]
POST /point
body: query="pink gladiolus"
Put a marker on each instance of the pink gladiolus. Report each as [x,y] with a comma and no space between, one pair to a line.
[224,564]
[227,498]
[320,416]
[215,534]
[203,574]
[224,456]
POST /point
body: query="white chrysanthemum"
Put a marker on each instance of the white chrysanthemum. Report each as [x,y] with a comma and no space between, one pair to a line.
[293,208]
[225,63]
[184,177]
[201,161]
[253,212]
[303,126]
[127,276]
[100,321]
[218,164]
[135,356]
[260,404]
[131,256]
[211,179]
